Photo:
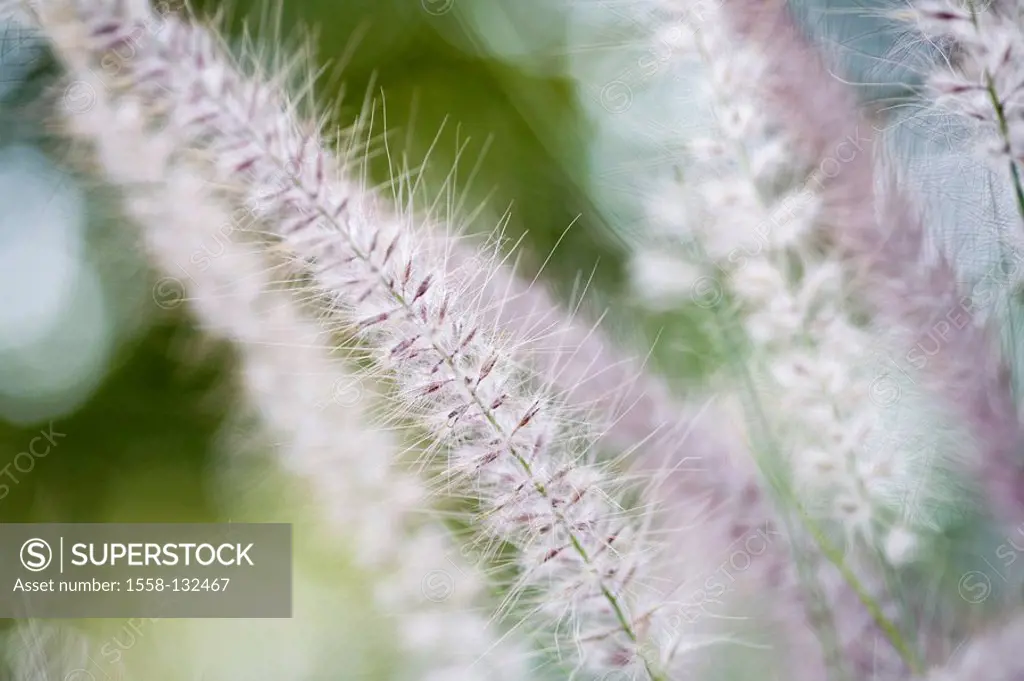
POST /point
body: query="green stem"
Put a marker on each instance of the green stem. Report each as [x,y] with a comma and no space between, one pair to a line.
[831,553]
[1001,121]
[1004,131]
